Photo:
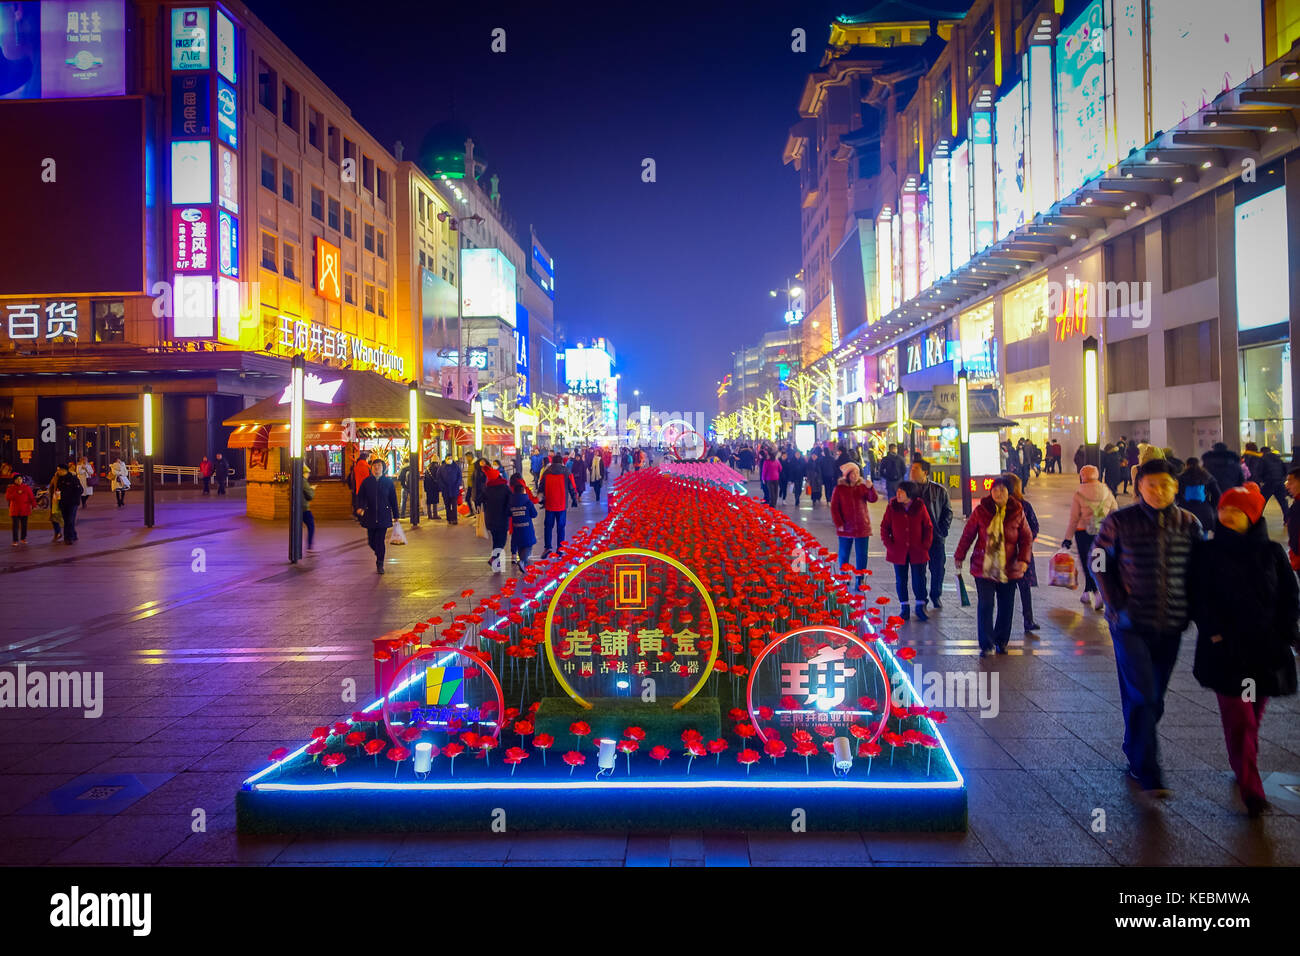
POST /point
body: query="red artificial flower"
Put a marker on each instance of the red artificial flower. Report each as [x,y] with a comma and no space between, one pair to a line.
[906,653]
[319,732]
[523,727]
[801,736]
[278,754]
[628,746]
[765,713]
[774,748]
[354,739]
[634,733]
[515,756]
[373,747]
[317,746]
[825,730]
[868,749]
[660,752]
[574,759]
[748,757]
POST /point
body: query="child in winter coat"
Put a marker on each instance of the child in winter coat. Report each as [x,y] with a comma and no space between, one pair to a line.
[522,513]
[907,533]
[1245,602]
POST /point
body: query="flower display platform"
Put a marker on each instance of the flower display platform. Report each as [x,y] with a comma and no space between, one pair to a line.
[695,661]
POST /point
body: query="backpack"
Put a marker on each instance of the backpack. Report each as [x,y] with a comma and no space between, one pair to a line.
[1097,514]
[1194,493]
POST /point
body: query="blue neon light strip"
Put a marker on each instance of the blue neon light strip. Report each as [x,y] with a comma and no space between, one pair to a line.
[684,784]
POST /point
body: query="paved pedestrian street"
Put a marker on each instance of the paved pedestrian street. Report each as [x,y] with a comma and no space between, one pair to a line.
[214,650]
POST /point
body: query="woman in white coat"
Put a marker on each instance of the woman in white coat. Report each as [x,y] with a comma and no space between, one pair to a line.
[118,480]
[85,472]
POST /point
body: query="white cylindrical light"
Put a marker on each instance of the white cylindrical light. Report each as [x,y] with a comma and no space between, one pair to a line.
[1090,424]
[843,754]
[900,414]
[605,759]
[413,412]
[478,425]
[963,408]
[423,757]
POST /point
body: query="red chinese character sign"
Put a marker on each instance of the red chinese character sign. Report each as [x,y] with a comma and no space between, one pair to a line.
[820,677]
[628,615]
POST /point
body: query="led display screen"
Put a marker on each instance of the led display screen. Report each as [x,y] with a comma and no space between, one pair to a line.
[99,244]
[1197,51]
[488,284]
[60,48]
[1263,279]
[960,199]
[1009,152]
[1081,99]
[586,367]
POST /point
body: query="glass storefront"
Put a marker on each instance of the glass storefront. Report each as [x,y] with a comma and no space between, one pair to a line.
[1264,392]
[979,346]
[1029,401]
[1024,311]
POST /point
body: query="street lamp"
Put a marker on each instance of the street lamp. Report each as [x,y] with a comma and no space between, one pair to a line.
[297,376]
[146,416]
[792,292]
[478,426]
[900,415]
[963,435]
[413,478]
[1091,429]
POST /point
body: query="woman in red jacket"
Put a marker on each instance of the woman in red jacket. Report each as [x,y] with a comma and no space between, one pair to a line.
[907,533]
[849,512]
[21,502]
[1003,549]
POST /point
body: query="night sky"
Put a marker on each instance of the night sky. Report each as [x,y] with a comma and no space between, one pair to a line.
[675,273]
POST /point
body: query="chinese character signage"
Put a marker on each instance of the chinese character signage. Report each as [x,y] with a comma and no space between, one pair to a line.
[628,619]
[63,48]
[189,40]
[191,233]
[191,106]
[329,269]
[228,179]
[827,680]
[30,321]
[225,47]
[322,342]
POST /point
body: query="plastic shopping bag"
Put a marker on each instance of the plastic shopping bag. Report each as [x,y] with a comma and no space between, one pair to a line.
[1064,572]
[399,536]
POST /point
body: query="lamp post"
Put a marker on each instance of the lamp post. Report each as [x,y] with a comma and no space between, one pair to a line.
[1091,427]
[900,417]
[146,416]
[456,222]
[413,478]
[792,292]
[297,373]
[963,436]
[478,427]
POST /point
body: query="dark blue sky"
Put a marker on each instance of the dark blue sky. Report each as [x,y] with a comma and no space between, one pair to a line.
[676,273]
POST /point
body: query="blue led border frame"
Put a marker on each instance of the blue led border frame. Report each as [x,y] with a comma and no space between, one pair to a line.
[314,799]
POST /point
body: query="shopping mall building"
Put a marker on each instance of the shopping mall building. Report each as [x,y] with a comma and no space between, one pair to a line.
[187,206]
[1025,176]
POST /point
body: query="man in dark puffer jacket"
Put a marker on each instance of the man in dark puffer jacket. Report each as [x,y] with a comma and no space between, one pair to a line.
[1224,465]
[1145,553]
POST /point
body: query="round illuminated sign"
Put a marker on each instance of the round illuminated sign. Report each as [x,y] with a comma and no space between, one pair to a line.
[636,591]
[426,692]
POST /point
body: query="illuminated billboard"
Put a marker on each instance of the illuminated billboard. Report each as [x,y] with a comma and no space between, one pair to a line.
[1009,154]
[1263,277]
[191,172]
[941,215]
[488,285]
[62,48]
[189,39]
[226,58]
[1081,99]
[1198,50]
[586,370]
[191,232]
[911,232]
[960,199]
[982,177]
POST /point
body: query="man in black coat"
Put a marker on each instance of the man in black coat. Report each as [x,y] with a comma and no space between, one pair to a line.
[936,501]
[376,505]
[430,481]
[449,481]
[1225,466]
[893,470]
[1272,478]
[1113,470]
[221,469]
[830,473]
[1142,557]
[69,488]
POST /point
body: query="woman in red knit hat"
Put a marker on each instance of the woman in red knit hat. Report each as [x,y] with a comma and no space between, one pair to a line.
[1245,602]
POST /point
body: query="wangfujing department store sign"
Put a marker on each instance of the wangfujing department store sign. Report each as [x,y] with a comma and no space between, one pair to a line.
[321,342]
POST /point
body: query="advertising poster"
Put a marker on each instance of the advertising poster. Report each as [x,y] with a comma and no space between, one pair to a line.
[225,47]
[1198,50]
[227,114]
[191,239]
[959,171]
[191,173]
[228,179]
[227,244]
[521,357]
[191,106]
[1081,99]
[489,284]
[982,177]
[1263,279]
[437,323]
[63,48]
[1009,153]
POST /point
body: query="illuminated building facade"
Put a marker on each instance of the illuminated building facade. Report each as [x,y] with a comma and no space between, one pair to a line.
[1071,168]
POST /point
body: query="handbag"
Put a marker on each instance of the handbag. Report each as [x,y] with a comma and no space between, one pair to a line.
[480,526]
[961,589]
